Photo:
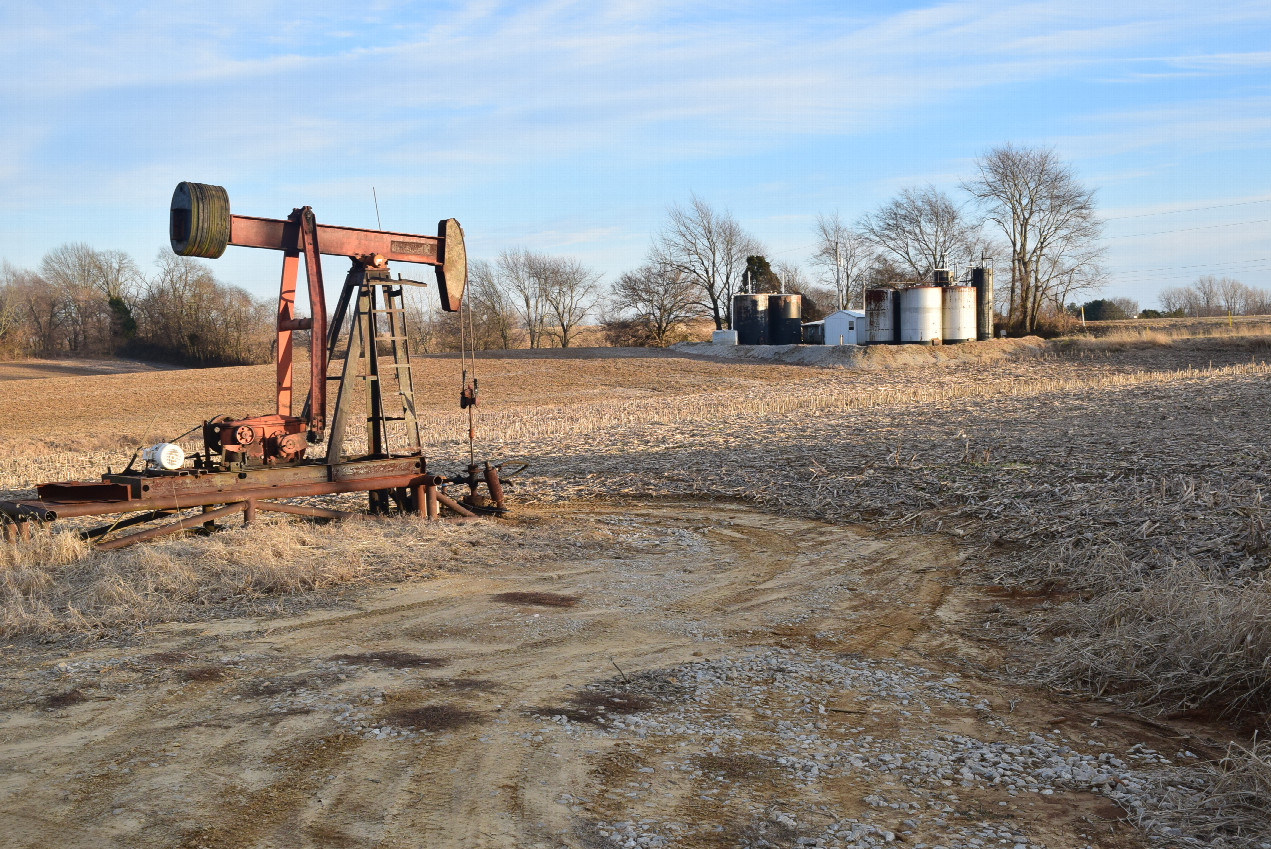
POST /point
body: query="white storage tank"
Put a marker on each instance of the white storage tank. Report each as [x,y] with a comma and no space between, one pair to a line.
[920,308]
[882,314]
[958,314]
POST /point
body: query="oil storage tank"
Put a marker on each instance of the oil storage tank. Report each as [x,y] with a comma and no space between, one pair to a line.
[957,316]
[750,319]
[785,319]
[882,316]
[982,280]
[920,308]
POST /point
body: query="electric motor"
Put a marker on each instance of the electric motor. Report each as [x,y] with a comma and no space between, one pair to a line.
[166,456]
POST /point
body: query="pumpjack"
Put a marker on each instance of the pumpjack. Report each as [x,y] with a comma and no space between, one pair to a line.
[263,462]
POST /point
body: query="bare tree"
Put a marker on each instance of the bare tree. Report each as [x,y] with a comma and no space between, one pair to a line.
[1128,307]
[12,337]
[709,248]
[843,256]
[569,293]
[1257,301]
[185,313]
[921,230]
[1215,296]
[660,298]
[791,276]
[93,286]
[1231,295]
[881,273]
[815,301]
[43,311]
[1048,219]
[493,308]
[1173,299]
[520,275]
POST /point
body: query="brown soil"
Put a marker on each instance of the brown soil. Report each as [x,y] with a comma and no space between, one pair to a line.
[44,369]
[237,732]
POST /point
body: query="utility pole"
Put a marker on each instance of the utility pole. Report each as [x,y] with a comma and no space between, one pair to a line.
[839,282]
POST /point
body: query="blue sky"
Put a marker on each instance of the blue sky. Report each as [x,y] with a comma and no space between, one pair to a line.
[570,127]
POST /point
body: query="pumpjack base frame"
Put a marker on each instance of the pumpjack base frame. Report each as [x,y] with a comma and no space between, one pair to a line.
[401,479]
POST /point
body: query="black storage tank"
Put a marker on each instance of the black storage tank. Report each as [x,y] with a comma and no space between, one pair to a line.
[982,280]
[750,319]
[785,319]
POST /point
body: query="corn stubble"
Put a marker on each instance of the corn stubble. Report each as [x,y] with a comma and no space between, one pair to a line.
[1127,474]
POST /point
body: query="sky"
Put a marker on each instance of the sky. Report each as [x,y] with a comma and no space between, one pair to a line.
[571,127]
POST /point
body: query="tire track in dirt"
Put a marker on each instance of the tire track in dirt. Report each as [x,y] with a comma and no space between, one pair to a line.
[438,713]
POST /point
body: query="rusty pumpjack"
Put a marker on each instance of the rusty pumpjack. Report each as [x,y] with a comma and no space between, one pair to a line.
[254,463]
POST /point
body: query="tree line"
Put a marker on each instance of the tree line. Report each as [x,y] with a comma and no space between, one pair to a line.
[1215,296]
[1023,206]
[81,301]
[1023,210]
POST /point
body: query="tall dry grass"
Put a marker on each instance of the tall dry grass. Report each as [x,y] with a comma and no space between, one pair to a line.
[1221,805]
[1248,333]
[55,584]
[1172,635]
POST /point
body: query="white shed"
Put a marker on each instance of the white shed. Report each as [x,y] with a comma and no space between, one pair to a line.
[845,327]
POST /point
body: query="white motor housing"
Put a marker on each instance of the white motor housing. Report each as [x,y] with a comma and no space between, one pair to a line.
[166,456]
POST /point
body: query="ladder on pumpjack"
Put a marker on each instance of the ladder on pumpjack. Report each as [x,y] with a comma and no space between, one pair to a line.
[378,315]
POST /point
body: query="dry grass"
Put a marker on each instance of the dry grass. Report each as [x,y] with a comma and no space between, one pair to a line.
[1169,635]
[1226,806]
[1038,462]
[54,584]
[1033,474]
[1246,332]
[1134,476]
[1178,328]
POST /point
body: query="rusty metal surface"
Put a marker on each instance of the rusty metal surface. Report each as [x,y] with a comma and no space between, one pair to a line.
[454,505]
[183,524]
[192,488]
[452,276]
[150,496]
[318,307]
[267,439]
[64,491]
[493,484]
[271,233]
[305,510]
[201,225]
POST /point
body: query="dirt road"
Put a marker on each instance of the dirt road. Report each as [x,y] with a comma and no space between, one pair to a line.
[674,674]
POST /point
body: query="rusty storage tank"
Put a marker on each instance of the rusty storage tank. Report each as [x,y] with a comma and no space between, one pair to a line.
[957,315]
[882,317]
[920,308]
[785,319]
[750,319]
[982,280]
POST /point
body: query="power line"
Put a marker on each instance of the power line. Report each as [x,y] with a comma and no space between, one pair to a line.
[1189,209]
[1162,277]
[1195,265]
[1190,229]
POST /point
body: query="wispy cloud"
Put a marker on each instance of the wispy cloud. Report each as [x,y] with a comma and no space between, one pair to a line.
[563,102]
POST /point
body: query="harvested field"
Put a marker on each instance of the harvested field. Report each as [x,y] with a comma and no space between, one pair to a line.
[44,369]
[850,623]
